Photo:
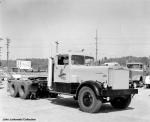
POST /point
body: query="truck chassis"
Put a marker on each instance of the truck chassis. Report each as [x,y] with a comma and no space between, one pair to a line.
[32,88]
[90,94]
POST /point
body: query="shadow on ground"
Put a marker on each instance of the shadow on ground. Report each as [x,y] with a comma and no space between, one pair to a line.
[67,102]
[70,102]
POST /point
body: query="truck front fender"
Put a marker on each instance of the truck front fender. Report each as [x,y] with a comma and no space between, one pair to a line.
[94,85]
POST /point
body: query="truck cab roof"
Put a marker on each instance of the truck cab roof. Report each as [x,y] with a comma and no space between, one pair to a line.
[74,53]
[74,58]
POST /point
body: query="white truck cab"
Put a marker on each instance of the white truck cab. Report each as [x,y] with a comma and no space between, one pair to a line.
[74,74]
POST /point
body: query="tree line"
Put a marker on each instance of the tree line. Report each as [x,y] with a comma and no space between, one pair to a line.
[39,64]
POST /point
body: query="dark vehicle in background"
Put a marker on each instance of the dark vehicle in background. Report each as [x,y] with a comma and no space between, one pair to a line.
[136,74]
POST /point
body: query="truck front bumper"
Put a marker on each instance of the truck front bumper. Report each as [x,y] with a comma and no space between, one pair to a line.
[119,92]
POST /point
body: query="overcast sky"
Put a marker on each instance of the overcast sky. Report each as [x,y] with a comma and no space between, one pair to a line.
[33,25]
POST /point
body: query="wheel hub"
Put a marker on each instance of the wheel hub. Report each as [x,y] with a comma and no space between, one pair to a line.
[87,99]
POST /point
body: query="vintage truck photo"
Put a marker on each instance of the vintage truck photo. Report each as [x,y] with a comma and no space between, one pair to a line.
[74,74]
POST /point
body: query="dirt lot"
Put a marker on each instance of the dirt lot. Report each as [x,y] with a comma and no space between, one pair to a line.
[65,109]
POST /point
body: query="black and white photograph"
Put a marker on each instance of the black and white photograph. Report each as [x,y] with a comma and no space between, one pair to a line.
[74,60]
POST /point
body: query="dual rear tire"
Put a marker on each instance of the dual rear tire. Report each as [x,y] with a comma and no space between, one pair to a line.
[24,91]
[19,89]
[13,89]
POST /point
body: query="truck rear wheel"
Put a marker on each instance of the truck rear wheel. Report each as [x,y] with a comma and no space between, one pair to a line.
[24,91]
[13,89]
[121,102]
[88,101]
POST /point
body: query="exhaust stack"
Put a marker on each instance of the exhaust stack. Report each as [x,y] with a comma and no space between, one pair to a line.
[50,70]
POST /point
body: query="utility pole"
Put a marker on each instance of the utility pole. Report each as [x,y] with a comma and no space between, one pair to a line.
[7,44]
[96,38]
[57,46]
[0,51]
[0,56]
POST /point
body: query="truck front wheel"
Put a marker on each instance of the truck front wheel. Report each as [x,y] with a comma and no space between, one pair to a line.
[88,101]
[121,102]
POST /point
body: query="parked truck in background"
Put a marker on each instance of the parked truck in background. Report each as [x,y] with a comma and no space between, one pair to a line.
[73,74]
[147,81]
[136,74]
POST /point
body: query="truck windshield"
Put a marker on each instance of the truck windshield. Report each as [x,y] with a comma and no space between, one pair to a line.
[77,60]
[135,66]
[81,60]
[89,60]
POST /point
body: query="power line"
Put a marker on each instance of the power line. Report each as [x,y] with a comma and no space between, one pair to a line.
[0,56]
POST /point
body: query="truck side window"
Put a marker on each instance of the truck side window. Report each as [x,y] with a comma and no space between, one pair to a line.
[63,60]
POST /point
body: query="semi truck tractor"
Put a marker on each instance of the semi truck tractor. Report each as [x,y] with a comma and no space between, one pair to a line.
[74,74]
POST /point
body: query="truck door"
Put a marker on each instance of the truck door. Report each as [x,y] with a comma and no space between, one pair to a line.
[61,70]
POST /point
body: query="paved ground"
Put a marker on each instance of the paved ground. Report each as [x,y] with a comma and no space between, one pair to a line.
[65,109]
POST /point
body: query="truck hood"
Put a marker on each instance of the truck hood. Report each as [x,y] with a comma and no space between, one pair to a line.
[117,78]
[86,73]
